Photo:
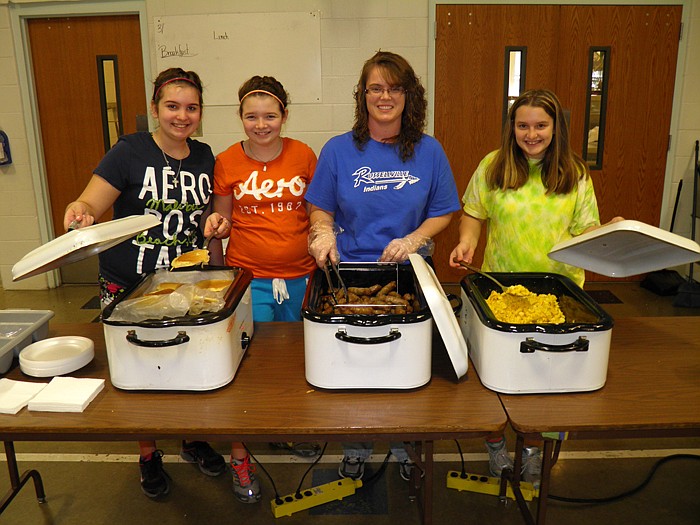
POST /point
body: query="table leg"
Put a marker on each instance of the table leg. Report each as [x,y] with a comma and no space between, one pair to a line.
[422,477]
[514,478]
[17,481]
[550,454]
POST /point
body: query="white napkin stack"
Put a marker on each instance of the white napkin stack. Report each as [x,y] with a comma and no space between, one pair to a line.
[14,395]
[67,394]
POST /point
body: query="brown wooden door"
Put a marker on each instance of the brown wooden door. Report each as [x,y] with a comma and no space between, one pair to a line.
[469,92]
[65,55]
[470,53]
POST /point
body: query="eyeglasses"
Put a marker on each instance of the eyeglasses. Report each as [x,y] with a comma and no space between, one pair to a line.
[378,91]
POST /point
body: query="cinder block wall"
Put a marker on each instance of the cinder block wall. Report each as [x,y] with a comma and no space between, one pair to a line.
[351,31]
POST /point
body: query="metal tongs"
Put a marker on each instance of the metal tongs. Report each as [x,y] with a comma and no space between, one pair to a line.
[341,283]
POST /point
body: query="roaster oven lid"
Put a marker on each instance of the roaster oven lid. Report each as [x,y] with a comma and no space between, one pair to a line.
[626,248]
[442,313]
[80,244]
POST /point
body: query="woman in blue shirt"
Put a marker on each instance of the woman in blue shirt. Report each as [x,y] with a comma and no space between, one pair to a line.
[386,185]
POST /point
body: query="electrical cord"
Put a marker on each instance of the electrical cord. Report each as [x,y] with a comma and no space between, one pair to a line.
[366,482]
[629,492]
[608,499]
[379,472]
[318,458]
[461,457]
[278,499]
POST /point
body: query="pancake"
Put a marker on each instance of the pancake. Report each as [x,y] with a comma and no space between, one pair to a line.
[214,285]
[192,258]
[164,288]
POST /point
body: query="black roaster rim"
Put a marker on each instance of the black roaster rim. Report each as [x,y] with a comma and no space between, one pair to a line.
[477,287]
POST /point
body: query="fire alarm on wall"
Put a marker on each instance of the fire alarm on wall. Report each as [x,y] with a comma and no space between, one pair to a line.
[5,156]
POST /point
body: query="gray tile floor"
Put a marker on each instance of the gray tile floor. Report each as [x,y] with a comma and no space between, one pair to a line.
[97,483]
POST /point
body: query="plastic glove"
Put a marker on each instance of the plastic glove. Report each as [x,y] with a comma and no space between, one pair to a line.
[398,250]
[322,244]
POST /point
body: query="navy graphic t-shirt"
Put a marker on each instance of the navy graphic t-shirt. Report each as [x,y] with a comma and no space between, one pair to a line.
[136,167]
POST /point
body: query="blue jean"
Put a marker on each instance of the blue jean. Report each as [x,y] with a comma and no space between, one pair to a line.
[363,450]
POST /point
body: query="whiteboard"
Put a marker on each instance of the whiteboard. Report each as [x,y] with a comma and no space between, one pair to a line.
[225,50]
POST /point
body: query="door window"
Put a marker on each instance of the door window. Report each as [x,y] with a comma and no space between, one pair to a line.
[110,103]
[596,104]
[515,62]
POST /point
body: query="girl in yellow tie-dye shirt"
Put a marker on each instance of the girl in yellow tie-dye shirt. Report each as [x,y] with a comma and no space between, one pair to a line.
[532,193]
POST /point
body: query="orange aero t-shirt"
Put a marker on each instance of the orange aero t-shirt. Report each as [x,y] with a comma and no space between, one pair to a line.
[270,225]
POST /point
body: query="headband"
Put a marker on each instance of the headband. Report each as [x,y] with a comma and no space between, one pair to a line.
[183,79]
[265,93]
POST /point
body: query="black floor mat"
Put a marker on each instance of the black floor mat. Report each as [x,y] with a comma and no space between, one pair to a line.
[92,304]
[369,499]
[604,297]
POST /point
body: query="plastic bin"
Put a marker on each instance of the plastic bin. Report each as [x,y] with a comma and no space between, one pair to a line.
[19,328]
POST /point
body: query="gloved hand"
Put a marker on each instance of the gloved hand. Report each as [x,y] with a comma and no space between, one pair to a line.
[322,243]
[398,250]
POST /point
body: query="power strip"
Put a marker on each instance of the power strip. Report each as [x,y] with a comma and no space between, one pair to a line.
[487,485]
[315,496]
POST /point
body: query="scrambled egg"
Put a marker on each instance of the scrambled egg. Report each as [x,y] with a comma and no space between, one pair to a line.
[518,305]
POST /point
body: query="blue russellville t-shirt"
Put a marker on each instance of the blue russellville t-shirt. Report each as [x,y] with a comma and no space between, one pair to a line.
[376,197]
[177,195]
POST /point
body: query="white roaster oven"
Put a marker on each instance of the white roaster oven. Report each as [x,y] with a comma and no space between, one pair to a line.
[392,351]
[573,356]
[187,352]
[536,358]
[180,351]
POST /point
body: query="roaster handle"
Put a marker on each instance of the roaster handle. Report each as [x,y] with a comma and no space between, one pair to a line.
[245,341]
[455,303]
[393,335]
[179,339]
[529,346]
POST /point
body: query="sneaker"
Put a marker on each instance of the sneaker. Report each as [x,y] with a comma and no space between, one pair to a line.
[406,469]
[532,466]
[245,485]
[302,449]
[155,482]
[498,457]
[352,467]
[210,462]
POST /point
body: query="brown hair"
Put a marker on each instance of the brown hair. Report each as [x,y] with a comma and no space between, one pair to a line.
[561,166]
[398,72]
[263,86]
[178,76]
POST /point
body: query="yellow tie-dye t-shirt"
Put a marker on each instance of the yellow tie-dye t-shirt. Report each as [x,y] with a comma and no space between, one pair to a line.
[523,225]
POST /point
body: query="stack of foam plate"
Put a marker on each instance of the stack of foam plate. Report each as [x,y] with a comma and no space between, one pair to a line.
[56,356]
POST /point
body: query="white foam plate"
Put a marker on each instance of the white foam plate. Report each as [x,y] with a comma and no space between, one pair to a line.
[56,356]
